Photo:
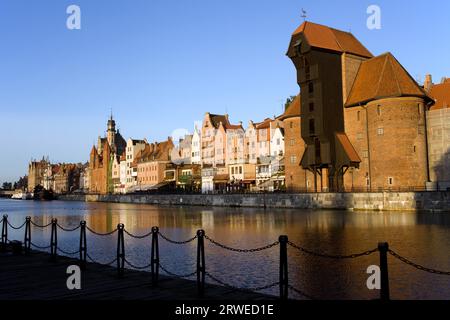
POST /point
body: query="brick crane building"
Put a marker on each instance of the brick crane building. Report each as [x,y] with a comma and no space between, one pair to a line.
[362,117]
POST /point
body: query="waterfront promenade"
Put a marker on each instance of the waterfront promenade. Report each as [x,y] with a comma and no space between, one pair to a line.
[35,276]
[435,201]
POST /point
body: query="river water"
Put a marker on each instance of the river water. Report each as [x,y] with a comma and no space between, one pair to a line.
[421,237]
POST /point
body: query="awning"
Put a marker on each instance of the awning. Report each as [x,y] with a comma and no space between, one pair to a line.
[346,155]
[221,177]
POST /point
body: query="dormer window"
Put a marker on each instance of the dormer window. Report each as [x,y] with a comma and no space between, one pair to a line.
[298,47]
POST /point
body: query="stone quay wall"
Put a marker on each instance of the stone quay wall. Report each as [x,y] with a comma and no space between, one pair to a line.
[438,201]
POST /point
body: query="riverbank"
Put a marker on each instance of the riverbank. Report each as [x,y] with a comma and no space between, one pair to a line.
[438,201]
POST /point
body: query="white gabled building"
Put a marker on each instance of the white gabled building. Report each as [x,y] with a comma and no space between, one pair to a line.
[277,142]
[196,147]
[132,149]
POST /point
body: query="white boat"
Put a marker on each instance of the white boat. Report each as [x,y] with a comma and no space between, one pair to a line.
[20,195]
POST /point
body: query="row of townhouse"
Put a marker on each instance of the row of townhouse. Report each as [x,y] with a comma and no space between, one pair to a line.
[236,158]
[218,157]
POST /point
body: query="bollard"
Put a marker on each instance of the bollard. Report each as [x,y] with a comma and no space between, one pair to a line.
[83,245]
[120,250]
[27,240]
[201,262]
[283,267]
[155,256]
[383,247]
[4,232]
[54,240]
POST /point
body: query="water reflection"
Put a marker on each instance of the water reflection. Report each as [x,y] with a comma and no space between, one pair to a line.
[421,237]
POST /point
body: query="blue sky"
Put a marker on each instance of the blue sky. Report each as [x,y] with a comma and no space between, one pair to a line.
[161,64]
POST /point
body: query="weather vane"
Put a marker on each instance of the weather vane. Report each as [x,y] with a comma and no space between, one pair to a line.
[303,14]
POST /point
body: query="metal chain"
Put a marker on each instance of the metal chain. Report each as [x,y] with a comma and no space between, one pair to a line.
[67,229]
[40,247]
[301,293]
[138,237]
[330,256]
[101,234]
[105,264]
[16,228]
[242,250]
[68,252]
[176,242]
[137,267]
[40,226]
[242,289]
[177,275]
[417,266]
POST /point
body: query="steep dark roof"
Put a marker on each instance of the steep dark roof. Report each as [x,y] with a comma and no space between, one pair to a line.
[441,95]
[323,37]
[293,110]
[382,77]
[216,119]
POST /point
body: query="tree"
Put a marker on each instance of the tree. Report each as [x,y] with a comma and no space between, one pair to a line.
[22,183]
[7,186]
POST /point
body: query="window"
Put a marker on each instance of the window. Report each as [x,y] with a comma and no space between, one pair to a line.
[311,106]
[312,129]
[358,115]
[291,124]
[380,131]
[419,109]
[310,87]
[365,153]
[278,141]
[240,170]
[414,149]
[232,170]
[379,110]
[359,136]
[298,47]
[390,181]
[293,159]
[292,142]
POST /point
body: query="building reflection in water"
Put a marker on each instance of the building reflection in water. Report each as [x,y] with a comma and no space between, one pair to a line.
[421,237]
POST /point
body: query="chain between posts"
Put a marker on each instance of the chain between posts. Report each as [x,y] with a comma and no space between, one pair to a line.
[101,234]
[251,289]
[242,250]
[137,267]
[16,228]
[98,262]
[300,292]
[177,275]
[40,247]
[330,256]
[383,248]
[138,237]
[68,229]
[39,225]
[177,242]
[67,252]
[417,266]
